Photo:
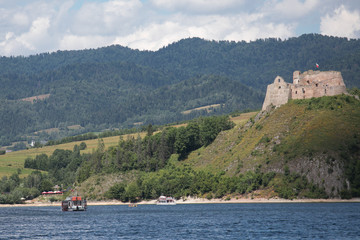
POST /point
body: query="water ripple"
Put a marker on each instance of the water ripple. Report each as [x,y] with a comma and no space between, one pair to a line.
[198,221]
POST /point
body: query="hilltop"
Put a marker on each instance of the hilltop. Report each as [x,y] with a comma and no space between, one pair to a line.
[317,138]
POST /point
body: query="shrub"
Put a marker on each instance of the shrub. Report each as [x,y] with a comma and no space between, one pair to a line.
[265,139]
[345,194]
[83,146]
[117,191]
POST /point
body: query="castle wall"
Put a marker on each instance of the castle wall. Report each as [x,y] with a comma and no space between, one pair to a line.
[317,84]
[277,93]
[301,92]
[305,85]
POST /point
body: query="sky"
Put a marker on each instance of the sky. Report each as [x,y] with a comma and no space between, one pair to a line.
[30,27]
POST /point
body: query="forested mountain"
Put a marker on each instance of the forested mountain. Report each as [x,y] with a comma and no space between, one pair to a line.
[116,86]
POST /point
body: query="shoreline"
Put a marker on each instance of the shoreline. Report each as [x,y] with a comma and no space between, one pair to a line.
[191,201]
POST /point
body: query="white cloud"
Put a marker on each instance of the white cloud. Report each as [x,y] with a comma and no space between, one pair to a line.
[107,17]
[20,19]
[197,6]
[289,9]
[215,27]
[342,23]
[154,36]
[268,30]
[29,27]
[35,38]
[34,26]
[74,42]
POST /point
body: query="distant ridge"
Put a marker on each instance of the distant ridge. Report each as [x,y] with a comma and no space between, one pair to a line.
[115,86]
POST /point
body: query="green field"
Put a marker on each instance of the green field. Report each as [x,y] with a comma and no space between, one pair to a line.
[11,162]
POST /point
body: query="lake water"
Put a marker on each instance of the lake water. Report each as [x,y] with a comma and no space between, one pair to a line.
[193,221]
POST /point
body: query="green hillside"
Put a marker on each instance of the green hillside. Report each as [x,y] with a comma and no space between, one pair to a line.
[317,138]
[303,149]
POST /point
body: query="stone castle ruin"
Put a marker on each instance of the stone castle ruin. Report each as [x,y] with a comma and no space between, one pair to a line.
[305,85]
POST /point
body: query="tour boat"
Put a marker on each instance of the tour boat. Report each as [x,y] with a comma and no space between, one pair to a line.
[166,201]
[74,204]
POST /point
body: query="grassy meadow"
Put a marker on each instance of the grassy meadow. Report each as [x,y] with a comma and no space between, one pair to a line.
[299,129]
[11,162]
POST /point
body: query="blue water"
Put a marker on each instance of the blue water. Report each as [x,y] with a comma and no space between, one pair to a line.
[195,221]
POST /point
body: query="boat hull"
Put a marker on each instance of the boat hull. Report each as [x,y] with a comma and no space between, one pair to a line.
[165,204]
[79,208]
[166,201]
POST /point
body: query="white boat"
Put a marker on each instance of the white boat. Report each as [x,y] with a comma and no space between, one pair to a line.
[166,201]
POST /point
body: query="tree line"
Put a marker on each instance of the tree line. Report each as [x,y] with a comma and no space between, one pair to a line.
[183,181]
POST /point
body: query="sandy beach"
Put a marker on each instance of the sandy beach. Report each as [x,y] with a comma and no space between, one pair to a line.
[189,200]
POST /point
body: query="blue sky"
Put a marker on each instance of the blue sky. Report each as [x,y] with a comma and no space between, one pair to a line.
[37,26]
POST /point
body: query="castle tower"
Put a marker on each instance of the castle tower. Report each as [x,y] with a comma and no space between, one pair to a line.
[277,93]
[296,77]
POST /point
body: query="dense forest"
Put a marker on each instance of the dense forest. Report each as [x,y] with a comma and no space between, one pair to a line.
[115,87]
